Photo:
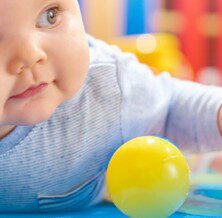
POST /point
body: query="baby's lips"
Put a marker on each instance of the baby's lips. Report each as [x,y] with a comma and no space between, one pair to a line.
[32,90]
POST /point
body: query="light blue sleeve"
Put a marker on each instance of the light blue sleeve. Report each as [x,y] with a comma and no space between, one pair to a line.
[184,112]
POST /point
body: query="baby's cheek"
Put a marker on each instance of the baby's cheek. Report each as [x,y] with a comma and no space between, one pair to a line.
[3,106]
[4,112]
[73,67]
[1,114]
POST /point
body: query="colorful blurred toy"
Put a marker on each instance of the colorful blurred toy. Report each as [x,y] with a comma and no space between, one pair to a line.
[148,177]
[205,197]
[160,51]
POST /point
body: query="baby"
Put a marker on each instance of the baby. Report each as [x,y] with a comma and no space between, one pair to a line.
[68,101]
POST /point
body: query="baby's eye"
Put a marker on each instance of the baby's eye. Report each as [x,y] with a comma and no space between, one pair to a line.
[48,18]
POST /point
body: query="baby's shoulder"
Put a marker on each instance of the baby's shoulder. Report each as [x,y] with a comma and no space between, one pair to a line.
[102,52]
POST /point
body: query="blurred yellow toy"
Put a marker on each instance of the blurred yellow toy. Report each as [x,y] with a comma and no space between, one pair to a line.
[148,177]
[160,51]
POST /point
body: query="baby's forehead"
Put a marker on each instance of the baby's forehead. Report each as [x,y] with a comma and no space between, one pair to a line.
[13,11]
[22,6]
[29,2]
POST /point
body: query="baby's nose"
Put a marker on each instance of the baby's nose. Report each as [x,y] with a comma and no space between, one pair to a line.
[25,53]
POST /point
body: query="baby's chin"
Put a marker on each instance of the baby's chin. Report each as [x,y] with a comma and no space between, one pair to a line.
[36,109]
[36,116]
[32,116]
[32,112]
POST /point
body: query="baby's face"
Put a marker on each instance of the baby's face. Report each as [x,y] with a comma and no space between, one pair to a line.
[41,41]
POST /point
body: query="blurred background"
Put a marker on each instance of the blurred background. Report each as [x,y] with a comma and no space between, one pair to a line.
[183,37]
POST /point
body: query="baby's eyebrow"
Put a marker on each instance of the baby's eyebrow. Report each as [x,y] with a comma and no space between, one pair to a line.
[39,2]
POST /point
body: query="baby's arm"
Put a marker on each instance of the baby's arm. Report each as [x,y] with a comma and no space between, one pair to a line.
[194,116]
[184,112]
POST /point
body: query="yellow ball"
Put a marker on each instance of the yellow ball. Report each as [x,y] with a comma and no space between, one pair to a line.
[148,177]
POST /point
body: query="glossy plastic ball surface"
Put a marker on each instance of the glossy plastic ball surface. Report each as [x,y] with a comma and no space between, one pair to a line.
[148,177]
